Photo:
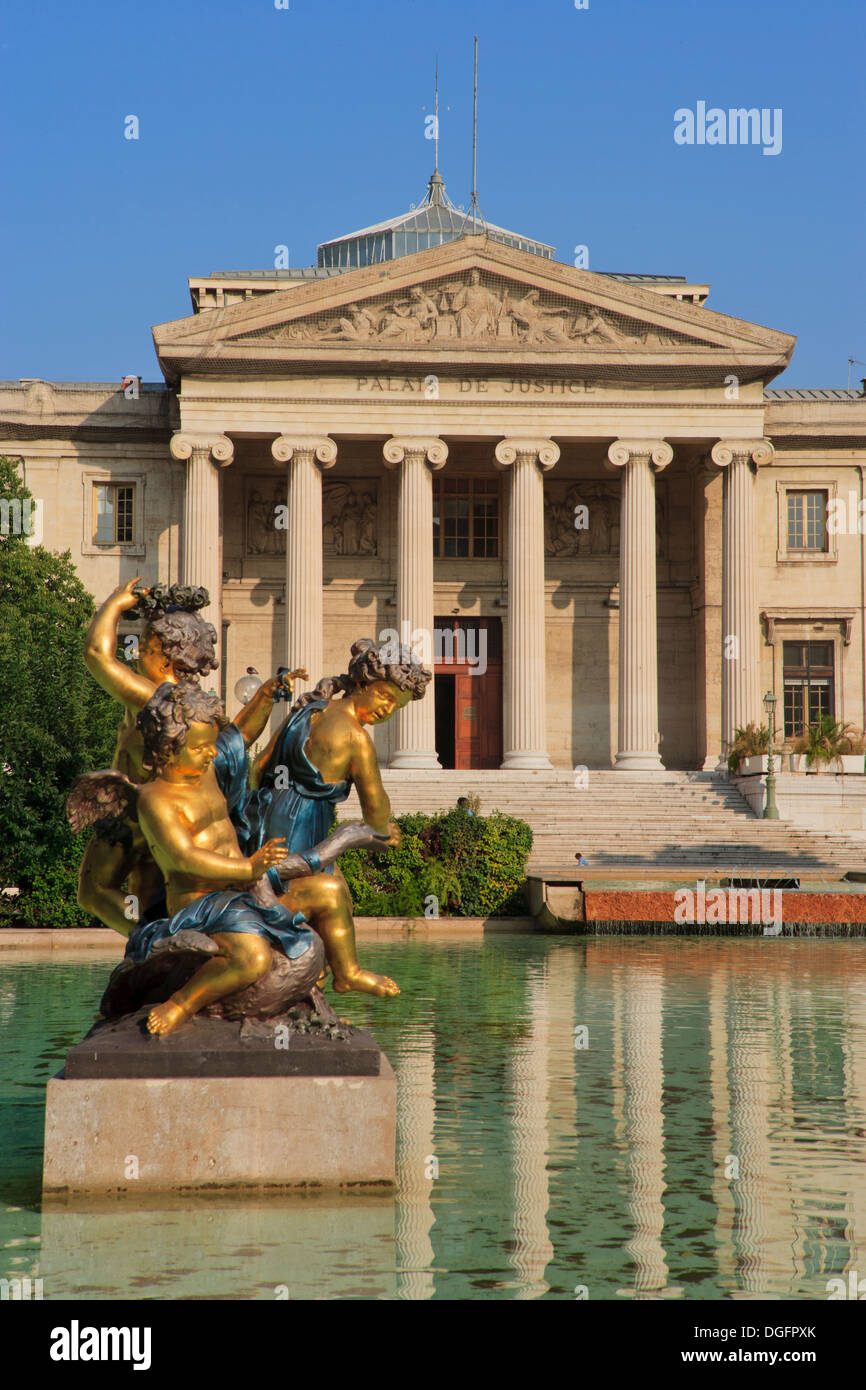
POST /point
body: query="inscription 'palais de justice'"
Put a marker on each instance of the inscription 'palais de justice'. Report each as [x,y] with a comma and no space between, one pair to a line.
[431,387]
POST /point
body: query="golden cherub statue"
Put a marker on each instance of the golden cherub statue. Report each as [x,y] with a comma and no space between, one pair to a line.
[212,888]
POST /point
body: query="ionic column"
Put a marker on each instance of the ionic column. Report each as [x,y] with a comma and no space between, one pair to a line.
[638,713]
[305,456]
[525,709]
[201,542]
[741,652]
[416,724]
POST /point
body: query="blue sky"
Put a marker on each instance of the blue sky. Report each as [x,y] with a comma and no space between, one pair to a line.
[261,127]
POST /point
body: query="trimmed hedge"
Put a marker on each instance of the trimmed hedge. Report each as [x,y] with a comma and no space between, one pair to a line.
[474,866]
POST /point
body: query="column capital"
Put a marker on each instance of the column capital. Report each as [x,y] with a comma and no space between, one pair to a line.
[218,447]
[757,451]
[656,451]
[311,446]
[425,447]
[543,451]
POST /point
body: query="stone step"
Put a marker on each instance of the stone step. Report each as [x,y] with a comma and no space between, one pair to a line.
[669,818]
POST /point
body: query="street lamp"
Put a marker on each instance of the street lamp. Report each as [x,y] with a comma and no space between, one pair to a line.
[247,686]
[771,810]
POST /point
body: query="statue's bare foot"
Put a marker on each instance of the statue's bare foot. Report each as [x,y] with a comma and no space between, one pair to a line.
[367,983]
[164,1018]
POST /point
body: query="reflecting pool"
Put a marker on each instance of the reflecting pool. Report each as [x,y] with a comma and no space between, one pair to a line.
[614,1118]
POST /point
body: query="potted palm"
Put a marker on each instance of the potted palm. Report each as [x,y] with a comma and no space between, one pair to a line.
[829,746]
[747,754]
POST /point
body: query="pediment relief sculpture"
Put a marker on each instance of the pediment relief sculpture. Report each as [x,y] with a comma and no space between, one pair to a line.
[478,310]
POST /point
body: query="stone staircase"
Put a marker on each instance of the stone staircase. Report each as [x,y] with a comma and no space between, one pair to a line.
[632,824]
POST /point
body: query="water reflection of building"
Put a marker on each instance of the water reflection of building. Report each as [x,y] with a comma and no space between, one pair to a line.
[605,1166]
[642,1082]
[530,1098]
[417,1164]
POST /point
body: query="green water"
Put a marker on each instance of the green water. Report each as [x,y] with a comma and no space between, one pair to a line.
[706,1143]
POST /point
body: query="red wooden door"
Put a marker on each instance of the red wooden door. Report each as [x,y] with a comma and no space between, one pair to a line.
[473,655]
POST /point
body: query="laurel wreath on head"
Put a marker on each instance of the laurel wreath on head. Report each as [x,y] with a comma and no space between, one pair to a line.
[167,598]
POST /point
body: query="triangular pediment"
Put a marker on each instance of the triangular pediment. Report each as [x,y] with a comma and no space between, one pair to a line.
[465,302]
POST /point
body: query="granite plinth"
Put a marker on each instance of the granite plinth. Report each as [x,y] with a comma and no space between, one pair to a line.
[220,1047]
[177,1114]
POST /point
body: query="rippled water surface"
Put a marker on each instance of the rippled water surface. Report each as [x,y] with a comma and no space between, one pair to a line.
[613,1118]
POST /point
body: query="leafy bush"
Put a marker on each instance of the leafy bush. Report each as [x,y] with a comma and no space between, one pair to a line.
[50,900]
[475,866]
[748,742]
[826,740]
[55,722]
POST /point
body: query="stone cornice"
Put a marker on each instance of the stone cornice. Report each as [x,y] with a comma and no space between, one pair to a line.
[841,615]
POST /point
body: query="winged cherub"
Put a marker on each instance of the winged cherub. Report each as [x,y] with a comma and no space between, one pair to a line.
[177,644]
[212,888]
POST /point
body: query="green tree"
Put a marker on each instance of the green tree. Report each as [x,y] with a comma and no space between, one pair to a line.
[55,721]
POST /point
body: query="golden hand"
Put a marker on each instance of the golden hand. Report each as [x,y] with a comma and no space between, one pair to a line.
[393,839]
[270,688]
[266,857]
[123,597]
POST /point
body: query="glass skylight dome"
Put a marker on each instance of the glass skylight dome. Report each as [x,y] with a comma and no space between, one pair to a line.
[433,222]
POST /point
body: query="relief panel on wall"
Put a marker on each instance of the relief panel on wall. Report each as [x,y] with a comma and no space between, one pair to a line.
[582,518]
[349,517]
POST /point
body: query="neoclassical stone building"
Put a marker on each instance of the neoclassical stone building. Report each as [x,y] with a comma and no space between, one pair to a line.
[572,490]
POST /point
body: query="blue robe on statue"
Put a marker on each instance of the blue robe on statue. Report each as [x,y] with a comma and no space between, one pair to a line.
[226,909]
[294,802]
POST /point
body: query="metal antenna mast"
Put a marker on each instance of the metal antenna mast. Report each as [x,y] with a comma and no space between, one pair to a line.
[476,210]
[436,116]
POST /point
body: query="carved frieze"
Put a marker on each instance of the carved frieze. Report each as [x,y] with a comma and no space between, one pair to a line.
[349,517]
[582,518]
[477,310]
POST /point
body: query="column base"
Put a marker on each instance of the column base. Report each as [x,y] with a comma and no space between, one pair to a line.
[638,762]
[412,758]
[526,759]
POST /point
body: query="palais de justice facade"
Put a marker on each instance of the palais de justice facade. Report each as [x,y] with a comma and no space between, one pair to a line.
[577,482]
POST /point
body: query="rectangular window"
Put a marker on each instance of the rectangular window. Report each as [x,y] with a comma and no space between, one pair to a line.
[466,518]
[114,513]
[809,684]
[807,526]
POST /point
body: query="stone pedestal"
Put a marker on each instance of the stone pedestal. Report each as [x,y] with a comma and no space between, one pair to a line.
[218,1105]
